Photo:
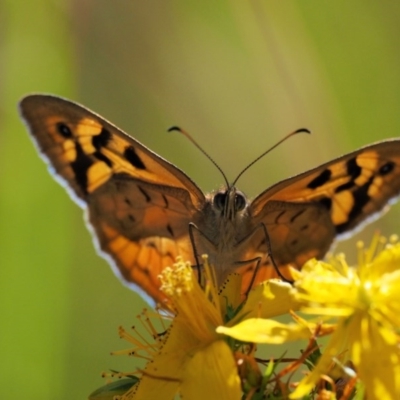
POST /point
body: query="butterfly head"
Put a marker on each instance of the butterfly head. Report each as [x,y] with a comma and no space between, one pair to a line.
[229,202]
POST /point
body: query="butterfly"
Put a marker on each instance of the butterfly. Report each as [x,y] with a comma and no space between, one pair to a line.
[144,212]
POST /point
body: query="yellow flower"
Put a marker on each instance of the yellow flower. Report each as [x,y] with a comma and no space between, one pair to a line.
[366,302]
[195,358]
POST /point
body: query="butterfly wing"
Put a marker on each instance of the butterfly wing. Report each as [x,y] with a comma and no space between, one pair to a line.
[138,204]
[304,214]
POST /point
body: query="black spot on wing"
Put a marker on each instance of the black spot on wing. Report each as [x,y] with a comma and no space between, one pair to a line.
[346,186]
[102,139]
[144,193]
[165,201]
[278,216]
[321,179]
[169,229]
[386,168]
[80,167]
[100,156]
[146,270]
[361,198]
[326,202]
[64,130]
[297,215]
[133,158]
[353,169]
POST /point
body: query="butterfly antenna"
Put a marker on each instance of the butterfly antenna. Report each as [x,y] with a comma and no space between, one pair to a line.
[301,130]
[187,135]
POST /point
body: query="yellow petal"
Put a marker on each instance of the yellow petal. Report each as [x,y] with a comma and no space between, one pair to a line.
[257,330]
[269,299]
[377,361]
[211,374]
[164,373]
[387,260]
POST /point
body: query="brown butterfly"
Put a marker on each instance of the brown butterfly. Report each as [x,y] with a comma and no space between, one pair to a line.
[144,211]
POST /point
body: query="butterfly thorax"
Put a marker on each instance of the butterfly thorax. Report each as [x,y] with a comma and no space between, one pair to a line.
[223,225]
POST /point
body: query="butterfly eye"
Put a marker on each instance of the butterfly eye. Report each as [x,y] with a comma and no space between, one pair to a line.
[220,200]
[240,202]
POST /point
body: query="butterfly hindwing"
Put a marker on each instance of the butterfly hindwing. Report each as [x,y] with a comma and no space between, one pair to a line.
[142,226]
[137,203]
[294,232]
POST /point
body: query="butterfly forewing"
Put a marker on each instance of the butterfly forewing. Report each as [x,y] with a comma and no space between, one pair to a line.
[80,144]
[351,188]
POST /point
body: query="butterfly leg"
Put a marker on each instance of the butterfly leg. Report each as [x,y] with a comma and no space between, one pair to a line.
[270,255]
[193,232]
[258,260]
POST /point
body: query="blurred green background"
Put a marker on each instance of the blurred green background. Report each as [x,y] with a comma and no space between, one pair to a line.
[238,75]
